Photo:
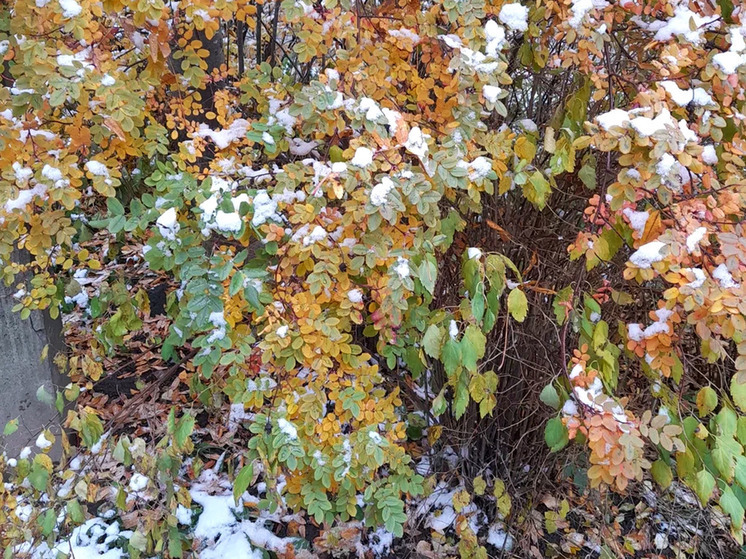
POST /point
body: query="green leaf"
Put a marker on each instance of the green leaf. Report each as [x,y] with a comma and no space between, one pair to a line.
[738,392]
[561,311]
[451,355]
[556,435]
[707,401]
[726,8]
[243,479]
[518,304]
[550,397]
[723,457]
[115,207]
[600,335]
[740,471]
[587,174]
[727,421]
[439,403]
[732,506]
[432,340]
[138,541]
[183,430]
[11,427]
[704,484]
[44,396]
[472,347]
[477,303]
[75,511]
[661,473]
[38,476]
[428,273]
[47,522]
[537,190]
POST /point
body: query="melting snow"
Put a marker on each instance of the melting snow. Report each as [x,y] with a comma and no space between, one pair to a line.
[401,267]
[380,192]
[683,97]
[363,157]
[167,224]
[644,256]
[416,143]
[70,8]
[693,240]
[515,16]
[287,428]
[725,278]
[637,220]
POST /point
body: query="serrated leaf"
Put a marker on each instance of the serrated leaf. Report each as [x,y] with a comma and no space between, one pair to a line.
[518,304]
[451,356]
[472,347]
[479,485]
[707,401]
[704,484]
[738,392]
[432,341]
[537,190]
[732,506]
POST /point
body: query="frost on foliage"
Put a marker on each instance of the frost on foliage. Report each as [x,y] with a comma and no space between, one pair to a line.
[42,442]
[699,277]
[709,155]
[495,35]
[647,254]
[25,197]
[615,117]
[405,34]
[95,539]
[453,329]
[317,234]
[660,326]
[218,219]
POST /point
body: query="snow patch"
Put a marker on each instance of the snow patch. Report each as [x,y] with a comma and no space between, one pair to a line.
[515,16]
